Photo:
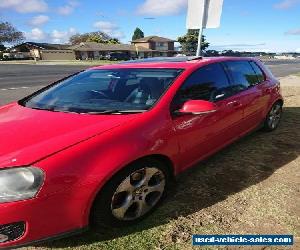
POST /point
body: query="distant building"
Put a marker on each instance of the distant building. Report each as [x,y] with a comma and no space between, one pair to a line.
[285,57]
[93,50]
[41,51]
[151,46]
[160,46]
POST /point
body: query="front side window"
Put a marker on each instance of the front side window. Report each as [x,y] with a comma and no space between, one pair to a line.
[209,83]
[115,90]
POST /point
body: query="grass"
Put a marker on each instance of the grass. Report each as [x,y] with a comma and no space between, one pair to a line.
[251,187]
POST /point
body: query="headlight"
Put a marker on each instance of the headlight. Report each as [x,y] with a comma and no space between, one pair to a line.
[20,183]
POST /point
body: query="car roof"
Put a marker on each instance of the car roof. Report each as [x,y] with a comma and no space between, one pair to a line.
[171,62]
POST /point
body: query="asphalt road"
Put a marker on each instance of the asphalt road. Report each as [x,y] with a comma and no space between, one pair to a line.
[17,81]
[17,75]
[281,68]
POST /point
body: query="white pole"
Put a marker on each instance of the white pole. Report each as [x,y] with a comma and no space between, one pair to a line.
[199,48]
[204,17]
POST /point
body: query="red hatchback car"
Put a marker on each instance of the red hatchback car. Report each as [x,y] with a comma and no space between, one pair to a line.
[101,146]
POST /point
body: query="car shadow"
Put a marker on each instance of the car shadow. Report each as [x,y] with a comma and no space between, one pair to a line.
[247,162]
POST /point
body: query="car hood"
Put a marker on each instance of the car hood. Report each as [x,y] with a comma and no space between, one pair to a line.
[28,135]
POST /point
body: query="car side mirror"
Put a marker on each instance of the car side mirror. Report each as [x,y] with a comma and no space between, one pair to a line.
[197,107]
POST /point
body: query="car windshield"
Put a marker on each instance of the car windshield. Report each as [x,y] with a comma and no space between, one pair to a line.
[105,91]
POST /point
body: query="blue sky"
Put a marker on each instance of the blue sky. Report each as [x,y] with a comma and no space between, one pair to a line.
[252,25]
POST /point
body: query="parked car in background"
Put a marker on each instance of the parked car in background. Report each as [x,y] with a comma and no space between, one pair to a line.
[118,56]
[102,147]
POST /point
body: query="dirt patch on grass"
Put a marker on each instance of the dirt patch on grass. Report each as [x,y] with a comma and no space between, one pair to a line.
[292,80]
[251,187]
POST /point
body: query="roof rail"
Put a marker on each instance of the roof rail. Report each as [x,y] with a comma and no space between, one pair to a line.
[193,58]
[164,59]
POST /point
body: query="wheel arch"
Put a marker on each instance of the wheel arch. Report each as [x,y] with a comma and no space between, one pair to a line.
[270,105]
[164,159]
[280,100]
[159,157]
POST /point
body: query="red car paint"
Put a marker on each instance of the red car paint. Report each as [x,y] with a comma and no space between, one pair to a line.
[79,153]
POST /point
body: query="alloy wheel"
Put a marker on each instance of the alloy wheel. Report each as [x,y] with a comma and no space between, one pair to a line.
[138,194]
[274,116]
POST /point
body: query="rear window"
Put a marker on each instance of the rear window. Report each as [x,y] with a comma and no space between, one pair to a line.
[259,73]
[268,71]
[243,75]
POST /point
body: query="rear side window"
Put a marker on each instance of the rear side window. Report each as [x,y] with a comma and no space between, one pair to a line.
[268,71]
[259,73]
[243,75]
[209,83]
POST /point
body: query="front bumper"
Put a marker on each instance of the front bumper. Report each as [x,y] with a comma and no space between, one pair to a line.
[12,231]
[43,218]
[51,238]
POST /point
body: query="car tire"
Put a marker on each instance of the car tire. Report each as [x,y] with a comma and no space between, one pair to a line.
[131,194]
[273,118]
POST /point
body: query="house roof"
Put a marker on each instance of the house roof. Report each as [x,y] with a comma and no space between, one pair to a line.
[93,46]
[48,46]
[152,39]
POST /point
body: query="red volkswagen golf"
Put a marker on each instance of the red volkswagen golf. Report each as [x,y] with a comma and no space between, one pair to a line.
[101,147]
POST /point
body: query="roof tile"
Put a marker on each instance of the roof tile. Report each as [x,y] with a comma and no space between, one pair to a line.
[152,39]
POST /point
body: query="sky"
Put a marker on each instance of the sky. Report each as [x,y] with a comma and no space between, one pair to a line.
[251,25]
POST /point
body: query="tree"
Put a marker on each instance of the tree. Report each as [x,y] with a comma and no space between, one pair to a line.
[9,34]
[113,41]
[98,37]
[231,53]
[95,38]
[189,42]
[78,38]
[212,53]
[137,34]
[2,48]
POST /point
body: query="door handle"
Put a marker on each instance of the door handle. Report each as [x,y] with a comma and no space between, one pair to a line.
[235,104]
[219,96]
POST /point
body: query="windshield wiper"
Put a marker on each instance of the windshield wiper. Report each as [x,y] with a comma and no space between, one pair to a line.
[42,108]
[53,109]
[81,111]
[115,112]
